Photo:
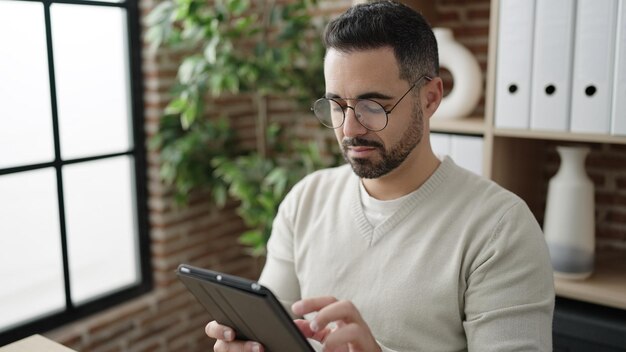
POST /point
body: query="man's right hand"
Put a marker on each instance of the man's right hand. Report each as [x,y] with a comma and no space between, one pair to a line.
[226,342]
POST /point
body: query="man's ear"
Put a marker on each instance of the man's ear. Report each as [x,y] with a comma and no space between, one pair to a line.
[433,93]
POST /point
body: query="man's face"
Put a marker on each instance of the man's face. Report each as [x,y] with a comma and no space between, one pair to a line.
[373,74]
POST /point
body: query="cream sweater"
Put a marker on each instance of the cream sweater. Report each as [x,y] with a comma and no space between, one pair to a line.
[462,265]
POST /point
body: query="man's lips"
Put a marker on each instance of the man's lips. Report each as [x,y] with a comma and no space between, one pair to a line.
[359,147]
[360,143]
[361,152]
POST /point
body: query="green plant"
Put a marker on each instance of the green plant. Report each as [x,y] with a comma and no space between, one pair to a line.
[231,47]
[260,184]
[186,154]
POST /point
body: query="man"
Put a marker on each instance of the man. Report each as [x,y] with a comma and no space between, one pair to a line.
[399,250]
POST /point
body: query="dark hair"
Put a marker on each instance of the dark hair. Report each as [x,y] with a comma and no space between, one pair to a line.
[387,23]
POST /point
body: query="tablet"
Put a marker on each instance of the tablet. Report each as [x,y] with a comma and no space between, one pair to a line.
[249,308]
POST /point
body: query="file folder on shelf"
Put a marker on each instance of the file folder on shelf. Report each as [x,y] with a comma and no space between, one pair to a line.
[618,120]
[552,64]
[514,61]
[440,143]
[467,152]
[594,55]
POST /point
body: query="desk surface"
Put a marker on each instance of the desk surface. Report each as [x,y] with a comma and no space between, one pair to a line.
[35,343]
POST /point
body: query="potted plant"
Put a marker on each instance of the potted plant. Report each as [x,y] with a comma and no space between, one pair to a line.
[237,47]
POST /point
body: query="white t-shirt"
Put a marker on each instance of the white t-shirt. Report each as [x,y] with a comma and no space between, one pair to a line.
[376,211]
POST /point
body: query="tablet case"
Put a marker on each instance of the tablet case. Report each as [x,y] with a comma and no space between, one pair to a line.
[249,308]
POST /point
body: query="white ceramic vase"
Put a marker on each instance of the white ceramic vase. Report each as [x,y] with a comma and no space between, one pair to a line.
[466,73]
[569,223]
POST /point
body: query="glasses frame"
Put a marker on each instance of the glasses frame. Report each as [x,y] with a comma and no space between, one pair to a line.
[387,112]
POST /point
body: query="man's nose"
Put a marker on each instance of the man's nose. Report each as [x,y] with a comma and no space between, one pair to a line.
[351,126]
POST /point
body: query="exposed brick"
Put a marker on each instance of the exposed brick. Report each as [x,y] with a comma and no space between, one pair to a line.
[164,281]
[447,17]
[150,346]
[108,339]
[472,32]
[607,161]
[72,341]
[611,233]
[452,2]
[617,216]
[477,48]
[112,346]
[598,179]
[478,14]
[618,147]
[621,182]
[604,197]
[186,337]
[103,325]
[156,327]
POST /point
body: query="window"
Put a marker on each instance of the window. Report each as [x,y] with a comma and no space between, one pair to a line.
[73,220]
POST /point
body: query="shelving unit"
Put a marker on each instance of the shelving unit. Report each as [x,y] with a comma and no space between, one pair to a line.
[514,159]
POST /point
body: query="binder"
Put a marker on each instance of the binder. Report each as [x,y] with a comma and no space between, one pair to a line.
[618,120]
[467,152]
[552,64]
[594,55]
[514,61]
[440,143]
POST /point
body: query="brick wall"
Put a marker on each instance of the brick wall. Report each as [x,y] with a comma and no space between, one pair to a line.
[168,318]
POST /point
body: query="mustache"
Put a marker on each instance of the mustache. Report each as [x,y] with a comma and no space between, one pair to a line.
[360,142]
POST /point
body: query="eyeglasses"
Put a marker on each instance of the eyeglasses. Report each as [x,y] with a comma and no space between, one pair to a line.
[370,114]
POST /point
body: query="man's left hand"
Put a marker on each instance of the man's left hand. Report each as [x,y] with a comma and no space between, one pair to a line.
[350,334]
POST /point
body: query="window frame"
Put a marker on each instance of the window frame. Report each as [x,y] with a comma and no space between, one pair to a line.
[74,312]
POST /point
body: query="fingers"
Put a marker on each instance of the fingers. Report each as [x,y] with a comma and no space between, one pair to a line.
[354,335]
[237,346]
[329,309]
[225,337]
[219,332]
[350,329]
[310,305]
[350,337]
[305,328]
[343,311]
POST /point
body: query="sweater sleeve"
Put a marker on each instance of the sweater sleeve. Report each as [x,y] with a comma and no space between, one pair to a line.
[509,298]
[279,273]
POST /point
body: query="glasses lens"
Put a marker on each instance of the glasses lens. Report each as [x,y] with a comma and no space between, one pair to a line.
[328,112]
[371,115]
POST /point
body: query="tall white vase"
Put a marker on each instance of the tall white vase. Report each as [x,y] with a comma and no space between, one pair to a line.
[466,73]
[569,223]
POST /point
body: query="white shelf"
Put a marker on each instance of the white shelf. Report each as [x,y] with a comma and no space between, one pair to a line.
[467,125]
[607,285]
[559,136]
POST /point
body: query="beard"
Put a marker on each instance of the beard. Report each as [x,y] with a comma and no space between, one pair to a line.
[389,159]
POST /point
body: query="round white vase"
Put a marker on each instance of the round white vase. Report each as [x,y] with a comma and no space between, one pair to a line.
[569,222]
[468,81]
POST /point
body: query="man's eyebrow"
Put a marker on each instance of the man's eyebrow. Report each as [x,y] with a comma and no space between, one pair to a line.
[367,95]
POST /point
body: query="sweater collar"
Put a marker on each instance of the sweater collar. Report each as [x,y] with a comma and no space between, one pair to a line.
[409,204]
